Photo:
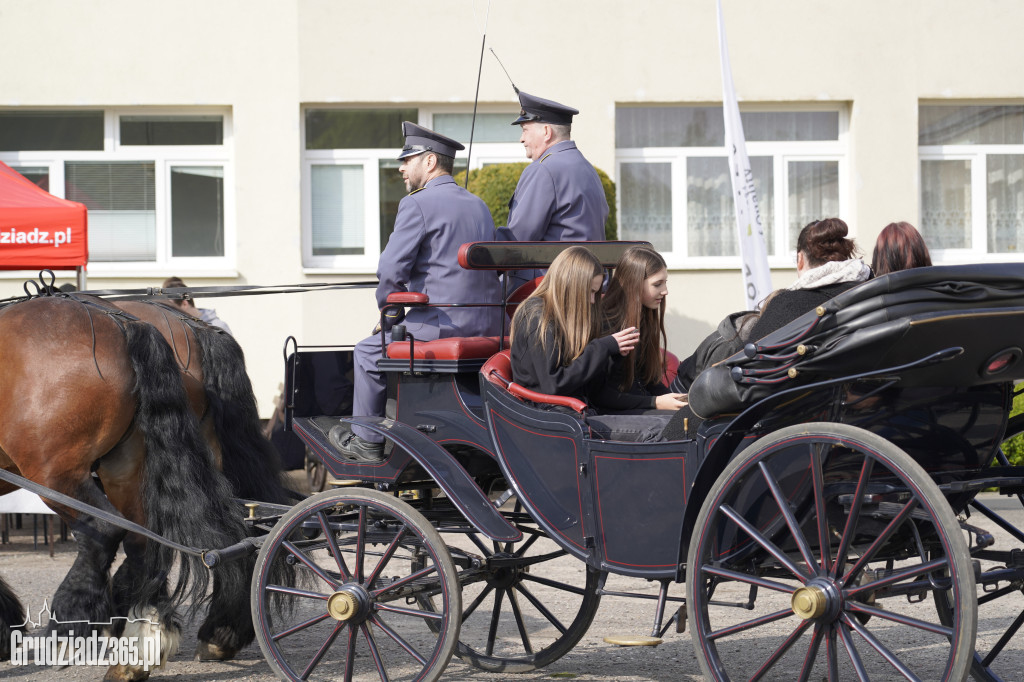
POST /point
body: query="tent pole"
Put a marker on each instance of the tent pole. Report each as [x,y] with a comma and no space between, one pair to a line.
[81,277]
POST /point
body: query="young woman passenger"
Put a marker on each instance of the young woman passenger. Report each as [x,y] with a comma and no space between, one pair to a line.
[899,247]
[827,264]
[636,298]
[557,347]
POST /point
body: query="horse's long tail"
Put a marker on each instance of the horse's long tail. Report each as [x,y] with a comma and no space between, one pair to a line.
[185,498]
[249,461]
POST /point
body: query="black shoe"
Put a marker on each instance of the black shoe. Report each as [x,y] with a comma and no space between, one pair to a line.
[354,447]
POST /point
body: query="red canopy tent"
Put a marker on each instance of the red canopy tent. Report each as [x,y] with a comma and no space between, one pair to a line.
[39,230]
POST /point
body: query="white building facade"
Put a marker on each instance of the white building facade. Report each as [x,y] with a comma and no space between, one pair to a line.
[253,141]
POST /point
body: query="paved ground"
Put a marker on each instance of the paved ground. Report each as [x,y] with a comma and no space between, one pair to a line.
[34,575]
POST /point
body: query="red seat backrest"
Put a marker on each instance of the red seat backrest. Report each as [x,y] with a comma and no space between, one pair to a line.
[521,293]
[671,368]
[497,368]
[498,371]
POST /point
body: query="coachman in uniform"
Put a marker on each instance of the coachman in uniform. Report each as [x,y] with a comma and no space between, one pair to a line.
[559,196]
[433,221]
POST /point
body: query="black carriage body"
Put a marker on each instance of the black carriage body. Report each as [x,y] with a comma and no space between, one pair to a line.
[613,504]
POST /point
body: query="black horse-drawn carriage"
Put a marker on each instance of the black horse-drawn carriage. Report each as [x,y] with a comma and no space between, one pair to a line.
[821,510]
[818,511]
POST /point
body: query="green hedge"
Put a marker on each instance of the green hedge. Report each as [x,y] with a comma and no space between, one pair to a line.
[495,184]
[1014,448]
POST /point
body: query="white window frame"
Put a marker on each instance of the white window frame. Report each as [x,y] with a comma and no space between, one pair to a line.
[366,263]
[163,158]
[782,152]
[977,154]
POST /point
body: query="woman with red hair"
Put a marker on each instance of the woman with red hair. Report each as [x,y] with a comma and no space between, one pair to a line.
[899,247]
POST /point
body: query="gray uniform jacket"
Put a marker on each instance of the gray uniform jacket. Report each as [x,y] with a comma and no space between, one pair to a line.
[422,255]
[559,198]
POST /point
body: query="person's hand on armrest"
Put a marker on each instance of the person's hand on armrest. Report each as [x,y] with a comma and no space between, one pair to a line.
[670,401]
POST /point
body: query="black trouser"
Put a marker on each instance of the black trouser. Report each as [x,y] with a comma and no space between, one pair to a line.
[639,427]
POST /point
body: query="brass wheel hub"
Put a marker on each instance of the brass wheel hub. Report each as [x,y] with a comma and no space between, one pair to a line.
[342,606]
[809,602]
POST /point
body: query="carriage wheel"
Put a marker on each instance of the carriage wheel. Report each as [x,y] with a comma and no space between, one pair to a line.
[807,532]
[316,472]
[515,618]
[335,589]
[988,656]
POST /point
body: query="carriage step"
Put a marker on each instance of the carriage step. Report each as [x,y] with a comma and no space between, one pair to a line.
[633,640]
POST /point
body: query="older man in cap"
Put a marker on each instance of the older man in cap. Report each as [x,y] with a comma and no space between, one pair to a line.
[559,196]
[433,221]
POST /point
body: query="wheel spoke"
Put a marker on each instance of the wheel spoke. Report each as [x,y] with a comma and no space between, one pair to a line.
[360,544]
[543,609]
[398,639]
[886,533]
[388,553]
[323,649]
[332,544]
[467,612]
[554,583]
[832,653]
[296,592]
[527,544]
[781,650]
[752,623]
[1007,636]
[895,662]
[812,653]
[301,626]
[851,652]
[298,554]
[746,578]
[787,513]
[875,612]
[487,551]
[851,520]
[897,576]
[765,543]
[417,613]
[350,654]
[492,631]
[372,645]
[520,623]
[818,478]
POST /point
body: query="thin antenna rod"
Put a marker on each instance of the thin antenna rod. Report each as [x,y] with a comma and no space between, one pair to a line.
[505,70]
[476,97]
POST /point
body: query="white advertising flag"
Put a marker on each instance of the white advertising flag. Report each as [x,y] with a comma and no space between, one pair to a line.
[756,275]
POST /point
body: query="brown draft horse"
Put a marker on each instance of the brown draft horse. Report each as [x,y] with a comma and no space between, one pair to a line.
[213,374]
[92,405]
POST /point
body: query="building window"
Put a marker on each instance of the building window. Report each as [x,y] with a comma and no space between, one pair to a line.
[972,180]
[153,183]
[351,184]
[673,178]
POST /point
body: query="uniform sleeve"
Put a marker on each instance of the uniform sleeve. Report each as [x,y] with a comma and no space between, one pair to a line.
[394,268]
[533,204]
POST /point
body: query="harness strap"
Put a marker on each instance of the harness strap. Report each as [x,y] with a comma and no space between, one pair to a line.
[102,514]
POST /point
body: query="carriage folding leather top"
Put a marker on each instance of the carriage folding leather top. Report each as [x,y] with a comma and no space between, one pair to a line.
[885,323]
